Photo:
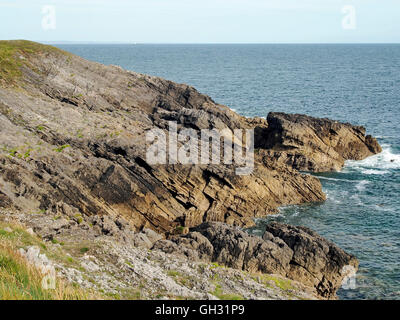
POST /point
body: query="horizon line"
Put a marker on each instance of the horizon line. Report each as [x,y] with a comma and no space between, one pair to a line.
[203,43]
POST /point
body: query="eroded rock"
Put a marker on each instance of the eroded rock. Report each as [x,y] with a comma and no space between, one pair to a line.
[314,144]
[293,252]
[315,261]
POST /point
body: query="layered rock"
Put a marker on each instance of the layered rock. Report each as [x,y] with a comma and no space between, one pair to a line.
[73,138]
[314,144]
[293,252]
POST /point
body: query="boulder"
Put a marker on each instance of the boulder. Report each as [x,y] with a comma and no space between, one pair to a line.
[194,246]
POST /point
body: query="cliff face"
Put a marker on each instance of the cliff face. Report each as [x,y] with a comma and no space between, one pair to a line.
[73,140]
[72,145]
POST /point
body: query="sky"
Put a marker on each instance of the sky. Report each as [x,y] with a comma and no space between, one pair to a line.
[202,21]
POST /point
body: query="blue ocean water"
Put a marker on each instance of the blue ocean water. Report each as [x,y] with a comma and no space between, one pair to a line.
[353,83]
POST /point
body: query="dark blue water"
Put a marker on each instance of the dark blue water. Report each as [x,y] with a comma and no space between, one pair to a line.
[354,83]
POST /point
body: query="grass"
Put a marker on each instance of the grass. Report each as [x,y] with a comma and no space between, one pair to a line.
[11,62]
[19,280]
[267,280]
[218,292]
[182,279]
[61,148]
[216,265]
[173,273]
[84,250]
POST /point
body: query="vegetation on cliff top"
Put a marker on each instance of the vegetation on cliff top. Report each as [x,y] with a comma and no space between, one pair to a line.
[19,279]
[15,53]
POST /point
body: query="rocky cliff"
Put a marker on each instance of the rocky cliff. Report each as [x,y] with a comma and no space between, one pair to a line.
[73,151]
[313,144]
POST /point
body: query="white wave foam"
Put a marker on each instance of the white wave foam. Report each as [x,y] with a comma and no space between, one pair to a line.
[357,200]
[362,185]
[382,161]
[337,195]
[275,215]
[335,179]
[373,171]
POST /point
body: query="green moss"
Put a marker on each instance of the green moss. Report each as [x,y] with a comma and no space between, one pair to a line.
[218,292]
[13,152]
[55,241]
[27,154]
[216,265]
[61,148]
[84,250]
[268,280]
[173,273]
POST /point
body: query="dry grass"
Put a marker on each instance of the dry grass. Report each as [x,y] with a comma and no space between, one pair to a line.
[19,280]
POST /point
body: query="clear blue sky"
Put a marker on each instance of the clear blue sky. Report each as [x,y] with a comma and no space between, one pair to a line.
[202,21]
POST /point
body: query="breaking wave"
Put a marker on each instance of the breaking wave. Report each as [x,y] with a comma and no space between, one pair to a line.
[376,164]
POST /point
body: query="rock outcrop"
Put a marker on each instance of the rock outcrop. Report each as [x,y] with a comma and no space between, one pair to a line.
[73,134]
[313,144]
[316,261]
[293,252]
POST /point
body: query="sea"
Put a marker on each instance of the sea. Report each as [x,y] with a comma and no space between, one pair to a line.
[356,83]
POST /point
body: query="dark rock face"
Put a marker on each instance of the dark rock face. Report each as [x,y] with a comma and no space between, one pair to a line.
[4,201]
[236,249]
[314,144]
[294,252]
[315,261]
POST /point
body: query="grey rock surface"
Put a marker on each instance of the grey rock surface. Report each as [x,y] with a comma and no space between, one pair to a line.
[293,252]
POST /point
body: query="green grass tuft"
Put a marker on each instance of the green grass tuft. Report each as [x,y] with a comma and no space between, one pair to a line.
[61,148]
[223,296]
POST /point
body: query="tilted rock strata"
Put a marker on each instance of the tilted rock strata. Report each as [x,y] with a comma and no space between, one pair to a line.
[313,144]
[73,132]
